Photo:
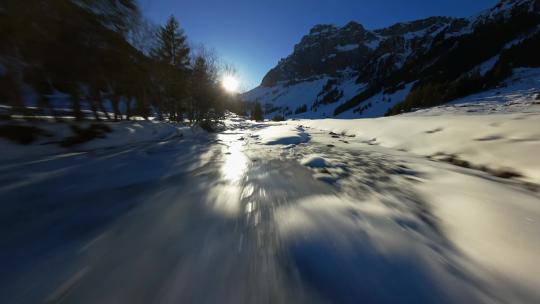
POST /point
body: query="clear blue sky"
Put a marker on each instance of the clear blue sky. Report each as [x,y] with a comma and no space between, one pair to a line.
[254,34]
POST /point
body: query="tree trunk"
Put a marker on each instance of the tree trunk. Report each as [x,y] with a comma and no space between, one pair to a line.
[115,101]
[128,108]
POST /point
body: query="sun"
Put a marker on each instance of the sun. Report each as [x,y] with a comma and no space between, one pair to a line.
[230,84]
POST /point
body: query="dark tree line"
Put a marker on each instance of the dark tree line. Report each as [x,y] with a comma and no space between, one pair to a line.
[58,48]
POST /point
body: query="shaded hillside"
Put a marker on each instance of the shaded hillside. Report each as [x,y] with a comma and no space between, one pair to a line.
[73,58]
[57,46]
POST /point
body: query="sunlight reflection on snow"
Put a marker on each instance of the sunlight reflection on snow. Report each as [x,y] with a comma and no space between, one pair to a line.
[235,164]
[226,197]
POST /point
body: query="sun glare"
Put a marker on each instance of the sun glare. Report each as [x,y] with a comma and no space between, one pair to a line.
[230,83]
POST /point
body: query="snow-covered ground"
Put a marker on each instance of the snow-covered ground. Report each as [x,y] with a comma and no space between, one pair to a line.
[122,134]
[308,211]
[429,215]
[497,142]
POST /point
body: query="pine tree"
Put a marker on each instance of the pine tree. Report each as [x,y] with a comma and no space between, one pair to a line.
[173,48]
[202,87]
[257,113]
[172,75]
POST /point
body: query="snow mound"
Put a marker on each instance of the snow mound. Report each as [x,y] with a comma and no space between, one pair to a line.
[315,161]
[282,135]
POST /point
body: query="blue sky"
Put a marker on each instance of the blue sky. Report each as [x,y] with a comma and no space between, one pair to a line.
[254,35]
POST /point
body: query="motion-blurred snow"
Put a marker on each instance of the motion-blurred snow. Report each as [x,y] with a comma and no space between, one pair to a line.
[300,211]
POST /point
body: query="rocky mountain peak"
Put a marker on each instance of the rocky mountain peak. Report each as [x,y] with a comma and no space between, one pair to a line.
[328,49]
[321,29]
[353,71]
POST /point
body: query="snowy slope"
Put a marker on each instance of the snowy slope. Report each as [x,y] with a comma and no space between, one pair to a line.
[519,89]
[284,98]
[379,104]
[516,94]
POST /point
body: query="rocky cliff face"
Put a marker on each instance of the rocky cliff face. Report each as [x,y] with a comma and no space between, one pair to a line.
[328,49]
[344,66]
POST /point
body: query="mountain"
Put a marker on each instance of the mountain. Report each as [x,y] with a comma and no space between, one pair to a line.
[350,71]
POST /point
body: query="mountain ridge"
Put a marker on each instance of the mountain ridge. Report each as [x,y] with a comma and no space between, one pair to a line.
[389,59]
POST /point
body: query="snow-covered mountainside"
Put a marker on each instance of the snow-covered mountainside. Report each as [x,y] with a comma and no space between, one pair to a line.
[352,72]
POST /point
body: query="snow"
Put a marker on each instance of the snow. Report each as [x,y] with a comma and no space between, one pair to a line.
[61,103]
[328,236]
[377,105]
[521,39]
[282,135]
[516,94]
[291,96]
[347,86]
[415,208]
[315,161]
[330,56]
[123,134]
[417,34]
[373,44]
[466,30]
[470,137]
[483,229]
[483,219]
[359,213]
[347,47]
[488,65]
[305,91]
[503,9]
